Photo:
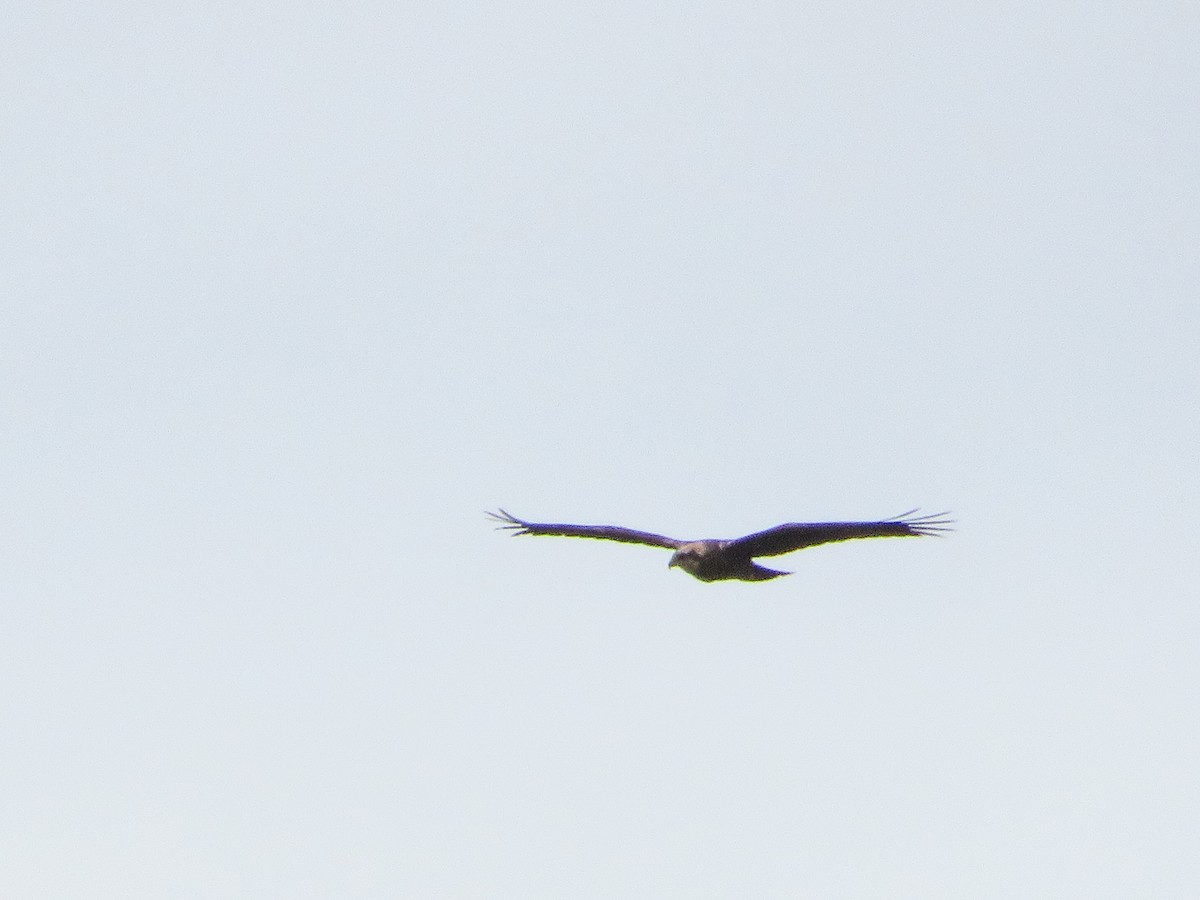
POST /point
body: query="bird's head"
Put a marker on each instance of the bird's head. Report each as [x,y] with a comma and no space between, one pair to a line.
[687,558]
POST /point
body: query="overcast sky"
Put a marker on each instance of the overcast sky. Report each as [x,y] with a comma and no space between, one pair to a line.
[294,292]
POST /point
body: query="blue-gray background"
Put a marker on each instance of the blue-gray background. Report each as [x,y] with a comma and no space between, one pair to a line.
[293,292]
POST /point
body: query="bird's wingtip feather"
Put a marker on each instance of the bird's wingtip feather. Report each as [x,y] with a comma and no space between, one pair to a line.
[509,521]
[930,524]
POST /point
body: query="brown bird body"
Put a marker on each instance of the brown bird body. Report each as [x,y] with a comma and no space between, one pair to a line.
[722,560]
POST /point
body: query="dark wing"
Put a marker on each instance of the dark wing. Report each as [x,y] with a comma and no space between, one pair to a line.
[602,532]
[797,535]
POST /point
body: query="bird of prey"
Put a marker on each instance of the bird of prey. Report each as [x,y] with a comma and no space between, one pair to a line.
[722,560]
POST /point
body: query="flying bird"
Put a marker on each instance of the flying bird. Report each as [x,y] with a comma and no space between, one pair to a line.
[722,560]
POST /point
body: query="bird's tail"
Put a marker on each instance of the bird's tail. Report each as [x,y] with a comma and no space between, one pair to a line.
[760,573]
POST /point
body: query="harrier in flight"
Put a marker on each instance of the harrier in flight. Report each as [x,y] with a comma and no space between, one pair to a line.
[721,560]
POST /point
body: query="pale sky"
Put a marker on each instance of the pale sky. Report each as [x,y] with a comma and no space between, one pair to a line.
[295,292]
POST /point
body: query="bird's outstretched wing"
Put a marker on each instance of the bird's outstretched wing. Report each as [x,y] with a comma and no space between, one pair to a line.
[601,532]
[797,535]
